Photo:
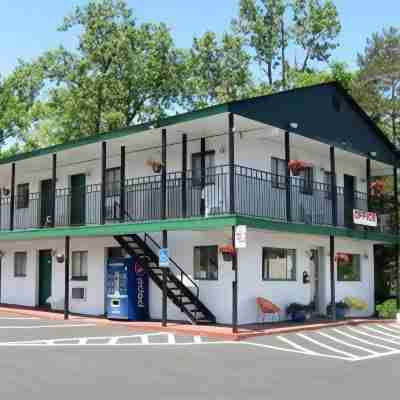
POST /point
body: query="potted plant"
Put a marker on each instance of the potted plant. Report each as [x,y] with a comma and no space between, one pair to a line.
[155,165]
[341,309]
[297,312]
[228,251]
[296,166]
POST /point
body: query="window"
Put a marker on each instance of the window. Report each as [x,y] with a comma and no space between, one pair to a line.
[116,252]
[349,268]
[206,263]
[307,179]
[278,167]
[327,185]
[113,177]
[78,293]
[208,172]
[20,264]
[23,195]
[79,265]
[279,264]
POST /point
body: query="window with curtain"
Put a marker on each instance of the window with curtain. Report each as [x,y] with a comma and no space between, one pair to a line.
[278,169]
[20,259]
[206,263]
[79,265]
[23,195]
[279,264]
[349,268]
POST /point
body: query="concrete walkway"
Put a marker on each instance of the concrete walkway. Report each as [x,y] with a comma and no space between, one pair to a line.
[211,331]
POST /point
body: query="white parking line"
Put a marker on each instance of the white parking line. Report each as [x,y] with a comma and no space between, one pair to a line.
[354,346]
[397,337]
[358,339]
[394,330]
[325,346]
[295,345]
[47,326]
[373,336]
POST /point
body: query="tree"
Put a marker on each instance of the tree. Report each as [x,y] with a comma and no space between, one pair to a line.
[379,81]
[121,73]
[216,72]
[316,28]
[261,21]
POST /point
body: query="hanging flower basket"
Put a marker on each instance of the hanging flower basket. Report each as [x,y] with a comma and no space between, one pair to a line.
[227,251]
[343,257]
[296,166]
[377,188]
[155,165]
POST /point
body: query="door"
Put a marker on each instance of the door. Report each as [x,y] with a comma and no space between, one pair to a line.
[44,277]
[314,279]
[78,202]
[45,202]
[348,200]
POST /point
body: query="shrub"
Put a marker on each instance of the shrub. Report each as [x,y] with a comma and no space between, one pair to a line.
[388,309]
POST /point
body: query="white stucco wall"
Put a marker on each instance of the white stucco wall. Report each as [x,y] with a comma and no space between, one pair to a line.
[217,295]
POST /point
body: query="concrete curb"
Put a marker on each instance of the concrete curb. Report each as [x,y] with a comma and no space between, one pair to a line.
[215,332]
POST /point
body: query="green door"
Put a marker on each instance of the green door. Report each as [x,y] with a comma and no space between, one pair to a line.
[78,189]
[44,277]
[45,202]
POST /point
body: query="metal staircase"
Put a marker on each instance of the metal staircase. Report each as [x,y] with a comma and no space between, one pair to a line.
[181,289]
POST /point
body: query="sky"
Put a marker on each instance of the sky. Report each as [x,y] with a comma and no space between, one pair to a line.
[28,28]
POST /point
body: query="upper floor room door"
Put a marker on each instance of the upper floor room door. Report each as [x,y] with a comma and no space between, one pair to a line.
[349,183]
[45,202]
[78,201]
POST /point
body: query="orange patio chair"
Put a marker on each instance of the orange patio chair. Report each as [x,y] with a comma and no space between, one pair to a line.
[265,307]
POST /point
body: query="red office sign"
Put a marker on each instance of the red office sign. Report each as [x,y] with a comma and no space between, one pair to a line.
[365,218]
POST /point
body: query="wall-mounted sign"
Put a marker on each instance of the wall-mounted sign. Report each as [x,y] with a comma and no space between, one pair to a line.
[365,218]
[163,258]
[241,236]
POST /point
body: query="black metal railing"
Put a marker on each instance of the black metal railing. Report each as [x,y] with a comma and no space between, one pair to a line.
[258,193]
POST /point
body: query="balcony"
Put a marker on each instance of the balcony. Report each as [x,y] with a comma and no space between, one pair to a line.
[257,194]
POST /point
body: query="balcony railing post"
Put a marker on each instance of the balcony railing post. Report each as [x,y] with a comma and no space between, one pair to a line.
[12,196]
[103,182]
[184,175]
[333,186]
[122,186]
[53,191]
[368,178]
[287,176]
[231,133]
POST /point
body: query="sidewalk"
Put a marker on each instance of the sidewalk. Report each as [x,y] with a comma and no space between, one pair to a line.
[210,331]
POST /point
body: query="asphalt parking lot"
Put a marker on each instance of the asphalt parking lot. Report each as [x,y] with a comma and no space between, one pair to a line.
[76,359]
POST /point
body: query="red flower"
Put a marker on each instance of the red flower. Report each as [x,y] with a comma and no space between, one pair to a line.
[377,187]
[297,166]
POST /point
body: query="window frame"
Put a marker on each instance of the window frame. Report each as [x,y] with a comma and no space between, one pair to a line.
[22,196]
[265,275]
[112,191]
[79,298]
[328,184]
[307,181]
[209,179]
[275,176]
[81,276]
[19,274]
[340,278]
[196,272]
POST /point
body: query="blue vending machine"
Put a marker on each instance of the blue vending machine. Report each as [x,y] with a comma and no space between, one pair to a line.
[127,290]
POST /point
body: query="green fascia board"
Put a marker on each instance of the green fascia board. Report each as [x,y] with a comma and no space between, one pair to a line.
[141,128]
[188,224]
[261,223]
[194,224]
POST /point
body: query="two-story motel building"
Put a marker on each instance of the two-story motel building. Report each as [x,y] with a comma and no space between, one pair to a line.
[194,177]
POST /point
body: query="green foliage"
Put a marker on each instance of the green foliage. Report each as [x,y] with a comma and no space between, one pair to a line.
[379,80]
[388,309]
[216,72]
